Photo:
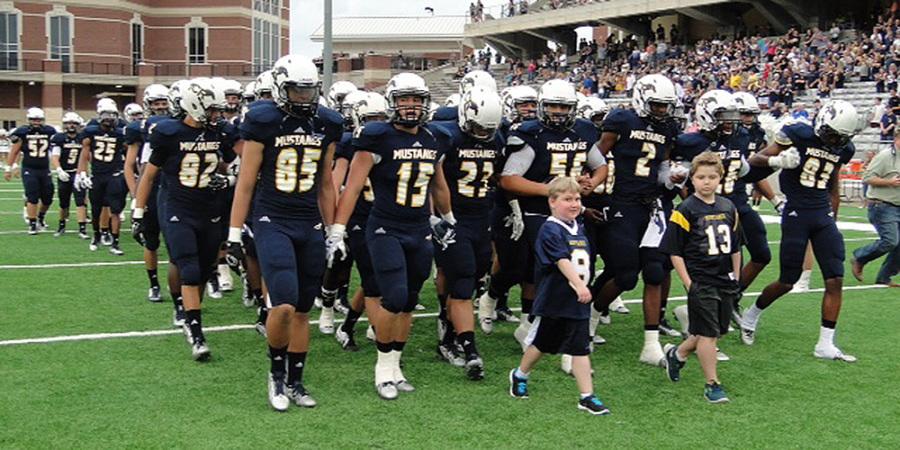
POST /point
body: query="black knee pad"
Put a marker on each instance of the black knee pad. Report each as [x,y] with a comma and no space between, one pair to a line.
[653,273]
[626,280]
[190,273]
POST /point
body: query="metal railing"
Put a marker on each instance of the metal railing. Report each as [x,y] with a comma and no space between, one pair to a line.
[132,69]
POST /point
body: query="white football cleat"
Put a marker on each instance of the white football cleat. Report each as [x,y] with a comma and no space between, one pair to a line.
[317,303]
[212,292]
[653,355]
[832,353]
[598,340]
[565,363]
[199,350]
[802,285]
[487,312]
[326,321]
[400,381]
[721,356]
[387,390]
[748,334]
[618,306]
[226,283]
[278,398]
[93,246]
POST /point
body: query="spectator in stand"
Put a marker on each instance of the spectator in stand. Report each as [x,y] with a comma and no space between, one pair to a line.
[660,33]
[523,7]
[877,113]
[800,112]
[511,8]
[894,101]
[888,125]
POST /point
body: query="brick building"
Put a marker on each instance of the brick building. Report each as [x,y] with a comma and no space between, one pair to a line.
[64,55]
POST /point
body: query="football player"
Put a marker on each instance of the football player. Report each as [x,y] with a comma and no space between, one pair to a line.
[287,156]
[402,159]
[468,166]
[557,144]
[133,113]
[639,140]
[810,179]
[156,102]
[33,140]
[263,87]
[65,149]
[104,152]
[336,94]
[189,152]
[474,78]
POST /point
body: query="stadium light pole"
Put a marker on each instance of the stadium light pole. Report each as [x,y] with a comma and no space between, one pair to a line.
[327,57]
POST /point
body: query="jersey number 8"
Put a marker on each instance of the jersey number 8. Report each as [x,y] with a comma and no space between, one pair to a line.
[288,178]
[811,172]
[190,174]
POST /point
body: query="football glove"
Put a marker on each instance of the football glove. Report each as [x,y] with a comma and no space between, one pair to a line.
[137,226]
[234,249]
[779,204]
[62,175]
[514,220]
[83,181]
[220,182]
[788,159]
[335,248]
[443,231]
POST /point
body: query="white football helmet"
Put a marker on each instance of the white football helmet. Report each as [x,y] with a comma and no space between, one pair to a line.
[715,108]
[517,96]
[249,93]
[175,92]
[593,109]
[107,112]
[71,122]
[746,103]
[480,113]
[265,85]
[337,92]
[477,78]
[35,114]
[232,88]
[452,100]
[347,106]
[133,112]
[200,97]
[372,108]
[295,74]
[557,92]
[651,89]
[153,93]
[407,85]
[836,123]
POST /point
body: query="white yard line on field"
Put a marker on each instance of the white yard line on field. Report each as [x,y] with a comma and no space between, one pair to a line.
[73,265]
[171,331]
[841,224]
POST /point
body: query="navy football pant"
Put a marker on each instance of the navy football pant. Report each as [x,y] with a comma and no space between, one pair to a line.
[66,190]
[625,229]
[359,251]
[291,256]
[107,190]
[799,226]
[468,259]
[193,240]
[401,257]
[38,186]
[754,235]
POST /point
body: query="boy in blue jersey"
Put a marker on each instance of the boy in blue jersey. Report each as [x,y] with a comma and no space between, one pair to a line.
[156,101]
[468,166]
[190,153]
[810,158]
[562,304]
[403,160]
[703,239]
[33,140]
[65,149]
[557,144]
[104,152]
[287,155]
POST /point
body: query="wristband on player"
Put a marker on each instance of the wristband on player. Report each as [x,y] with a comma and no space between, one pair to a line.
[234,234]
[449,218]
[138,213]
[337,229]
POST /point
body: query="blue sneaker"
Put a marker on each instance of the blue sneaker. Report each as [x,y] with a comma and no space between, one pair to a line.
[715,394]
[518,387]
[673,365]
[593,405]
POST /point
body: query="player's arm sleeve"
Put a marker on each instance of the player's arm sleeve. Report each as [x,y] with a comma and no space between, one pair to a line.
[158,154]
[784,136]
[613,123]
[595,158]
[678,229]
[367,141]
[519,162]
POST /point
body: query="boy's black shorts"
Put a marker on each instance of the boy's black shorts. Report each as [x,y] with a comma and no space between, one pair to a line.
[709,309]
[556,335]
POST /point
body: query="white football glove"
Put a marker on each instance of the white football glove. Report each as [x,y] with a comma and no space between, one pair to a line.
[514,220]
[83,181]
[788,159]
[745,168]
[334,244]
[62,175]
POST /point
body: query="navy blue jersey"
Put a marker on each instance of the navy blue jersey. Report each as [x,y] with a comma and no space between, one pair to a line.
[107,149]
[757,139]
[641,147]
[344,150]
[404,165]
[68,148]
[446,114]
[292,158]
[555,297]
[120,123]
[134,132]
[705,235]
[35,145]
[809,184]
[188,157]
[468,168]
[731,148]
[556,153]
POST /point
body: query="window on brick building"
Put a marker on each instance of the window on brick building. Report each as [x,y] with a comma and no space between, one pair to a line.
[197,45]
[266,44]
[9,41]
[137,44]
[61,40]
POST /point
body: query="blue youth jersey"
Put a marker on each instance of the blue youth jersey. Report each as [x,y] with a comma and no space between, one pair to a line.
[404,165]
[557,153]
[107,149]
[641,147]
[730,147]
[188,157]
[35,145]
[808,185]
[68,148]
[293,153]
[468,168]
[556,241]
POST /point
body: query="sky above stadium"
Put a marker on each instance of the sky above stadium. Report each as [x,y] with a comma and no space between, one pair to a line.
[307,15]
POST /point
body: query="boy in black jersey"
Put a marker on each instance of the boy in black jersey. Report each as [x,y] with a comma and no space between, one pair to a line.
[704,243]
